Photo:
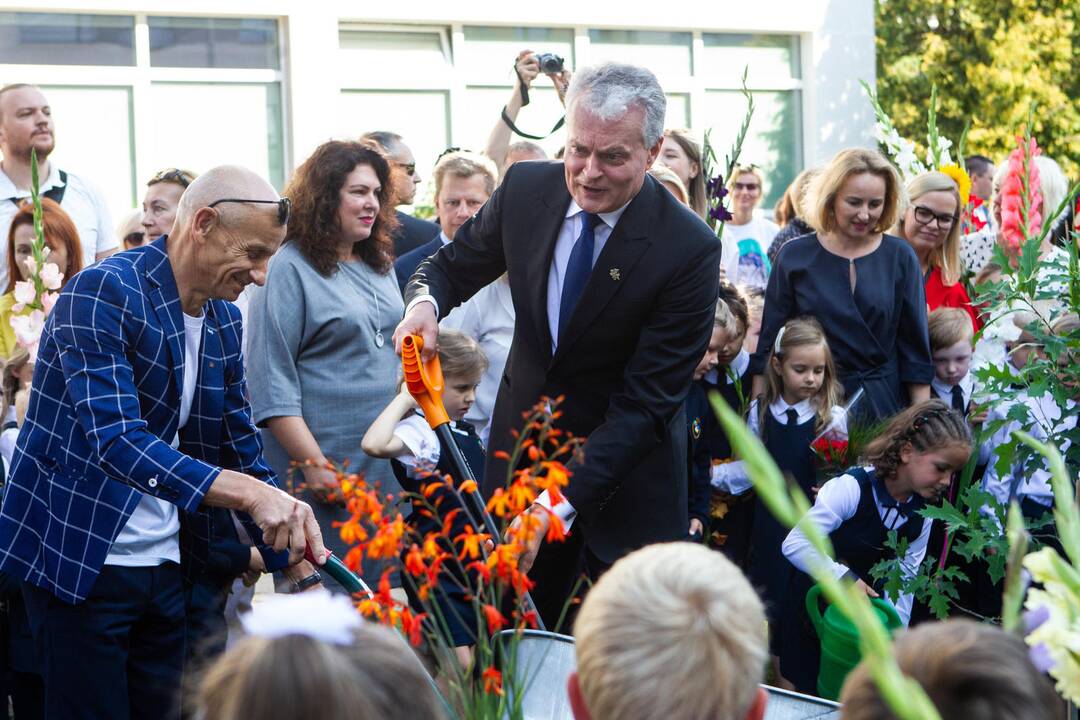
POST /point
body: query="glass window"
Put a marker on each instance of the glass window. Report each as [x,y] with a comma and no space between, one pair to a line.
[769,57]
[489,52]
[421,118]
[482,106]
[678,111]
[665,53]
[244,129]
[396,59]
[774,141]
[66,39]
[213,42]
[94,140]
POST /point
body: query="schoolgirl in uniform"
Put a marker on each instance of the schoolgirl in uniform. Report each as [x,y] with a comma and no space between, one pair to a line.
[401,434]
[801,401]
[911,462]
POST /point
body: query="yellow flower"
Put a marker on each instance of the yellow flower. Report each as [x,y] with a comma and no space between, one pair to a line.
[962,180]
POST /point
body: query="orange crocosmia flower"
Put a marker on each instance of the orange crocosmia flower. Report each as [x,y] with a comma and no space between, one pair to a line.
[534,453]
[470,543]
[387,541]
[521,497]
[448,520]
[370,609]
[414,561]
[556,532]
[411,625]
[481,569]
[531,619]
[429,488]
[383,595]
[492,681]
[352,532]
[431,545]
[502,455]
[499,504]
[353,557]
[494,618]
[557,475]
[469,486]
[555,495]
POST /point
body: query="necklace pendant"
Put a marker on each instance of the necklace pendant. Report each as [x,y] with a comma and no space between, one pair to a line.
[379,340]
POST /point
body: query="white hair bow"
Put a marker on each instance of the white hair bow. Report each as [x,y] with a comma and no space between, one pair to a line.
[776,342]
[320,615]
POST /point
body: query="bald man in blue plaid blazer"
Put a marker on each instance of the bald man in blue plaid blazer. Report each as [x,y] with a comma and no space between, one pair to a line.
[82,521]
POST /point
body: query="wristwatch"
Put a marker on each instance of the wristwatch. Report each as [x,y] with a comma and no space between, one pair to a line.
[309,582]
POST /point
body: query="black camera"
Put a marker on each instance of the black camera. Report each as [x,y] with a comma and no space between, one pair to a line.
[550,63]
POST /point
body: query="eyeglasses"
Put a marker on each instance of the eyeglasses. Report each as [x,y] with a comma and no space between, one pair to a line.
[409,168]
[176,175]
[748,187]
[924,216]
[284,206]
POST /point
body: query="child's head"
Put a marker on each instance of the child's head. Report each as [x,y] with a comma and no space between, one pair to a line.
[921,447]
[950,344]
[801,367]
[344,672]
[970,670]
[18,371]
[1027,346]
[725,328]
[736,302]
[463,364]
[1066,327]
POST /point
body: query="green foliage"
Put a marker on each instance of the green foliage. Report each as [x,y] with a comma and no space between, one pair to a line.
[989,61]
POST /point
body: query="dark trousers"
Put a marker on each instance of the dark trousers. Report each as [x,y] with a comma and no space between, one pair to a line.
[563,572]
[119,654]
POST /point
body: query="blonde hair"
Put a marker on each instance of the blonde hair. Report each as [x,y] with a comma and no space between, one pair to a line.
[948,326]
[655,613]
[666,176]
[970,670]
[746,170]
[792,203]
[294,677]
[946,257]
[696,192]
[461,355]
[802,332]
[463,164]
[15,361]
[827,184]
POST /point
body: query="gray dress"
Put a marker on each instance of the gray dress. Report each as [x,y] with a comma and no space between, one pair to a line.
[314,351]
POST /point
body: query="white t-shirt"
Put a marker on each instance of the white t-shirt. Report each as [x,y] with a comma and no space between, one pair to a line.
[152,533]
[748,245]
[81,201]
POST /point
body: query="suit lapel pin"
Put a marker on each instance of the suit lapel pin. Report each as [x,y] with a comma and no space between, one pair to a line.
[614,273]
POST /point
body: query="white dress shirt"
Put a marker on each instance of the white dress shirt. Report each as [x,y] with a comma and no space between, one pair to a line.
[836,503]
[732,477]
[487,317]
[944,390]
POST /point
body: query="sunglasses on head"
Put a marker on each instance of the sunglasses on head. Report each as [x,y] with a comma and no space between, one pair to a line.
[176,175]
[284,206]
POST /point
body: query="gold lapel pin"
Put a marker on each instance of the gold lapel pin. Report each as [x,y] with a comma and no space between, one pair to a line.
[614,273]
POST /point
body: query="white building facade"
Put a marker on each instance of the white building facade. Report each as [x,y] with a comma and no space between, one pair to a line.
[137,86]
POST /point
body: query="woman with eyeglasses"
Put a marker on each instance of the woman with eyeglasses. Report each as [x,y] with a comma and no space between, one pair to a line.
[862,284]
[746,237]
[159,206]
[321,363]
[930,222]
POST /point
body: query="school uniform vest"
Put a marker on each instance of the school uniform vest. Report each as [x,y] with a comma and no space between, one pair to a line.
[860,541]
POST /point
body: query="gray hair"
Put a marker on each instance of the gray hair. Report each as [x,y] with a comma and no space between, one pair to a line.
[609,90]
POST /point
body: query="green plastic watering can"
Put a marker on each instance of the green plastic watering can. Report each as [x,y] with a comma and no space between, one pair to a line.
[840,640]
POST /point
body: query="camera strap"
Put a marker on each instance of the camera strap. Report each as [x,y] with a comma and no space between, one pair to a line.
[525,101]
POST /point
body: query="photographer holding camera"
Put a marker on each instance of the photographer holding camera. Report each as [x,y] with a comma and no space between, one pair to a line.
[526,67]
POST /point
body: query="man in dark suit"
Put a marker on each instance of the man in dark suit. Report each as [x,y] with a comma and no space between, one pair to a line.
[463,183]
[412,232]
[138,422]
[614,286]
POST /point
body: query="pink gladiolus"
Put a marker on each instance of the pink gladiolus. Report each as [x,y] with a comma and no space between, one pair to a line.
[28,327]
[25,293]
[48,300]
[51,276]
[1013,231]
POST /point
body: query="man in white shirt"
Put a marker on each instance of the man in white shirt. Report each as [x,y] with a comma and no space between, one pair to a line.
[26,124]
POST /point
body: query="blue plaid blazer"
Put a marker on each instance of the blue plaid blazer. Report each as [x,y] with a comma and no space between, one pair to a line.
[104,408]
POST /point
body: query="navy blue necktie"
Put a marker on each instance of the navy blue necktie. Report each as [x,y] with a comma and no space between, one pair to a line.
[578,269]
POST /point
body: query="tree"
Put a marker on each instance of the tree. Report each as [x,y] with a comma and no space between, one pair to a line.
[990,59]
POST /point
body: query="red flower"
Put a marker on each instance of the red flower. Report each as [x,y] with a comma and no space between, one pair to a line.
[492,681]
[495,619]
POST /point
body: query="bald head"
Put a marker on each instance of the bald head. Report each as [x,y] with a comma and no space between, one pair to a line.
[226,181]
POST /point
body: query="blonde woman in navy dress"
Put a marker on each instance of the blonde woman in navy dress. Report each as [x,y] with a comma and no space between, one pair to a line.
[863,286]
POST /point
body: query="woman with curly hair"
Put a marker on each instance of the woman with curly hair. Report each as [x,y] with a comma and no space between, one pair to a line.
[321,365]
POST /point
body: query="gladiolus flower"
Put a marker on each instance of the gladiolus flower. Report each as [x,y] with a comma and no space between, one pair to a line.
[25,292]
[28,327]
[1013,231]
[51,277]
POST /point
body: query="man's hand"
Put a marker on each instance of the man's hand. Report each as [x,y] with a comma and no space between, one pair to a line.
[420,321]
[287,523]
[322,482]
[696,528]
[532,547]
[527,68]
